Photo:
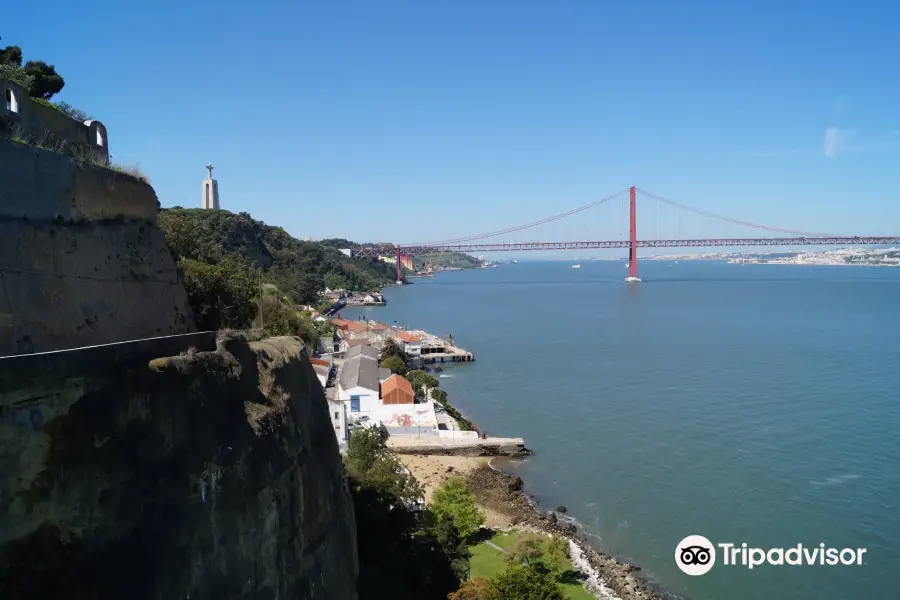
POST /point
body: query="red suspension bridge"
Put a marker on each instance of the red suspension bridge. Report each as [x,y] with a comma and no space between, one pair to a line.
[485,242]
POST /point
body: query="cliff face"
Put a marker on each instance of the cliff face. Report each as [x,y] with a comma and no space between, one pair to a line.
[206,475]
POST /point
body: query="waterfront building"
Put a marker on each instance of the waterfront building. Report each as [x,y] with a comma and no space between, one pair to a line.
[412,344]
[358,384]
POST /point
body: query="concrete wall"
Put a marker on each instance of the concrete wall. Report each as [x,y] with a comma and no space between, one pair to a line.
[81,260]
[205,476]
[42,185]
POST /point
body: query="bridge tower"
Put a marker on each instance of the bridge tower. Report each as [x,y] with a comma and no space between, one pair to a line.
[399,265]
[632,253]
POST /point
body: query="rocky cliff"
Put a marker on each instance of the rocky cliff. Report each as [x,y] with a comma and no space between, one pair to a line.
[205,475]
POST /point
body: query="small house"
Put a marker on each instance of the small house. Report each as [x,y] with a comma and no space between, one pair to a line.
[397,390]
[359,386]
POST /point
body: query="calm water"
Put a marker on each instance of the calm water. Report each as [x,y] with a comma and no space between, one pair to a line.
[756,404]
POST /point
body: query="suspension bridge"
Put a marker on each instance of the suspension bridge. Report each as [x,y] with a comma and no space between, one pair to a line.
[487,242]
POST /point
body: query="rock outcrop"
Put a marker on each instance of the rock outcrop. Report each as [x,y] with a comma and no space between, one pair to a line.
[205,475]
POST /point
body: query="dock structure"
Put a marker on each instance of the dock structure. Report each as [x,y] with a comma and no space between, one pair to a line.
[435,349]
[356,302]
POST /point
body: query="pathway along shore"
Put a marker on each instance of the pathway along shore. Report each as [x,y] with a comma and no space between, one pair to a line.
[501,498]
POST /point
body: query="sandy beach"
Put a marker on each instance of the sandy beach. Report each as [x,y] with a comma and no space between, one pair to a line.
[431,471]
[499,495]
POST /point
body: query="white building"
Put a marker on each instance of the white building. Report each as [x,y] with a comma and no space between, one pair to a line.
[412,344]
[409,419]
[338,412]
[358,383]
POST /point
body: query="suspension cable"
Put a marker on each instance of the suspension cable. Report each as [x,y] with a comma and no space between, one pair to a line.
[525,226]
[706,213]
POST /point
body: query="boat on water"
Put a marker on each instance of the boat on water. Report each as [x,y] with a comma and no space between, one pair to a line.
[575,267]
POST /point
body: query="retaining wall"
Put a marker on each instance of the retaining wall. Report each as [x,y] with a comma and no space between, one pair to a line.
[81,259]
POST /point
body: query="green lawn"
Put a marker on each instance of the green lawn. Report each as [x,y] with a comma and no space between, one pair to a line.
[487,561]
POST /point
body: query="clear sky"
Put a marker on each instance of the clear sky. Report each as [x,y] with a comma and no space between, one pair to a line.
[411,121]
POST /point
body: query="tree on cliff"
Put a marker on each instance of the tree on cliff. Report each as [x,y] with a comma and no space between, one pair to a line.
[282,317]
[369,461]
[453,544]
[222,297]
[398,557]
[455,500]
[40,79]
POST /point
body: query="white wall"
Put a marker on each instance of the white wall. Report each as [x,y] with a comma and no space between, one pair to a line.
[368,400]
[338,413]
[413,348]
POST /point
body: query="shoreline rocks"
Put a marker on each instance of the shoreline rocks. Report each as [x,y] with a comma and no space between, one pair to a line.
[502,492]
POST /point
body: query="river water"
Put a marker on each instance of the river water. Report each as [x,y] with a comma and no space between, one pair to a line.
[756,403]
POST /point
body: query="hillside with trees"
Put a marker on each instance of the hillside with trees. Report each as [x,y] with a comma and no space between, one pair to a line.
[301,270]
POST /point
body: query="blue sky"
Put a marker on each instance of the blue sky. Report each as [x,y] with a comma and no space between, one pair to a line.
[415,121]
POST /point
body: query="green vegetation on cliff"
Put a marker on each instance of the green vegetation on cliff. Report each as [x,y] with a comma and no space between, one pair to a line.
[40,79]
[447,259]
[299,269]
[404,552]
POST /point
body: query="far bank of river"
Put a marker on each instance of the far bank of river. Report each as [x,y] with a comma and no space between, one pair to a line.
[711,399]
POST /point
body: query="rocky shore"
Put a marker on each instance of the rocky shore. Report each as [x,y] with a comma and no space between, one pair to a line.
[502,493]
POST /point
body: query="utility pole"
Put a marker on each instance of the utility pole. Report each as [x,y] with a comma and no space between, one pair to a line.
[261,324]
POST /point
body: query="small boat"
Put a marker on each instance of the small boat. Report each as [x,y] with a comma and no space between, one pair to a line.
[575,267]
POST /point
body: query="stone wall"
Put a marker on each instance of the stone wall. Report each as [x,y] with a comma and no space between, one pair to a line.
[81,259]
[205,475]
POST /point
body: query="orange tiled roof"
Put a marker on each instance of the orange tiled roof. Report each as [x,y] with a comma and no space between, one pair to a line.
[320,362]
[394,382]
[408,337]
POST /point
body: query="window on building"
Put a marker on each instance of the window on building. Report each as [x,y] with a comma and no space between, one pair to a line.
[12,103]
[336,416]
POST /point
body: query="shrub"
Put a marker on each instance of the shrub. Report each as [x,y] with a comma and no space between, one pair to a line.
[221,298]
[456,500]
[395,364]
[526,583]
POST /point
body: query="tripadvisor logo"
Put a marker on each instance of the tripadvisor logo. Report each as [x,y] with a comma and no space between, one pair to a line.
[696,555]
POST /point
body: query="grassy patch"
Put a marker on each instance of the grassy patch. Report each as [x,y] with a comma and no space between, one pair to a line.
[487,561]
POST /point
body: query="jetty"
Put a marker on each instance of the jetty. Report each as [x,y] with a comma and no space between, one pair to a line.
[459,446]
